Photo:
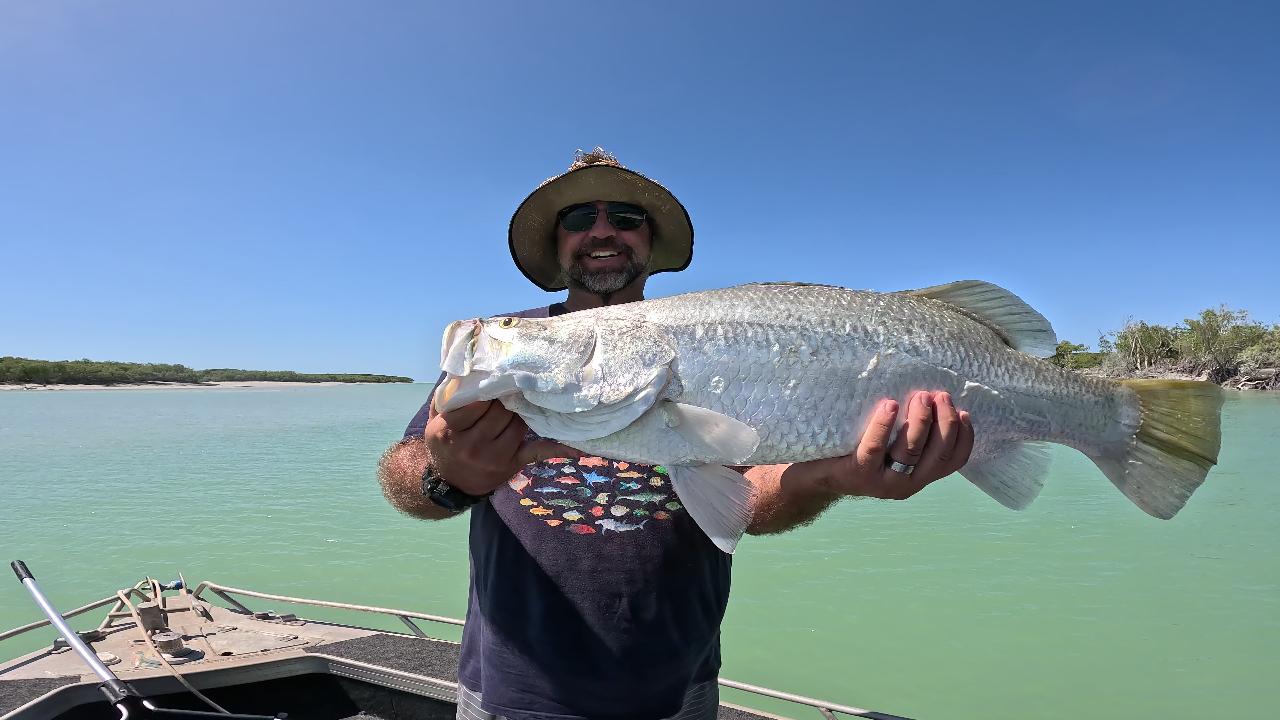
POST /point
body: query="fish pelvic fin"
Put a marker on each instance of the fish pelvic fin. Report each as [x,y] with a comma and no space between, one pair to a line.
[1017,323]
[1013,475]
[1175,446]
[715,434]
[717,498]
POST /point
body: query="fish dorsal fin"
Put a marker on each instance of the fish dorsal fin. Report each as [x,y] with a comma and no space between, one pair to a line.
[1016,322]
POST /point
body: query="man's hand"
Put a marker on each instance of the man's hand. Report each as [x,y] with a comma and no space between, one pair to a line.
[477,447]
[936,439]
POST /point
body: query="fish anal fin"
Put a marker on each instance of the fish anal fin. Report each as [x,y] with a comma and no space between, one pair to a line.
[1017,323]
[717,498]
[1014,474]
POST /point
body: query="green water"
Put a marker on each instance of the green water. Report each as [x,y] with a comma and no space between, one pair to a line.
[946,606]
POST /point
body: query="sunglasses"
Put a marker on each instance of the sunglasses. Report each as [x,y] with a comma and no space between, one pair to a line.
[622,216]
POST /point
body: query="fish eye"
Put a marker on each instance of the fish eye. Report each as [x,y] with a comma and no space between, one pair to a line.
[508,322]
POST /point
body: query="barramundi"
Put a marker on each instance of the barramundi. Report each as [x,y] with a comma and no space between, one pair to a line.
[787,372]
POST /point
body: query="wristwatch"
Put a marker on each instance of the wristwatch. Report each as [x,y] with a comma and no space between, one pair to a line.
[445,495]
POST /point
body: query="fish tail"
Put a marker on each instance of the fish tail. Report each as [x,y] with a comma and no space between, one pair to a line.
[1176,443]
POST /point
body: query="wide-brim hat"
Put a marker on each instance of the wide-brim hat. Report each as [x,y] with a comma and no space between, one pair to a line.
[593,176]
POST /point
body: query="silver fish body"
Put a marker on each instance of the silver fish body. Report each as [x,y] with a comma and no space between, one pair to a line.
[777,373]
[805,365]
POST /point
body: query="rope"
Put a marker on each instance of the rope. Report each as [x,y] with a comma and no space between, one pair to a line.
[134,612]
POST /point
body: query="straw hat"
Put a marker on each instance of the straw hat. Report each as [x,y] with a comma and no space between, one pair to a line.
[596,175]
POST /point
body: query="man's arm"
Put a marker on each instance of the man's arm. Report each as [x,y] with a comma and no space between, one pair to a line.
[400,474]
[936,439]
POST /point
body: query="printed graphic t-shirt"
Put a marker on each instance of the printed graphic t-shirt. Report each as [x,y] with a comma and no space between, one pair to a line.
[593,593]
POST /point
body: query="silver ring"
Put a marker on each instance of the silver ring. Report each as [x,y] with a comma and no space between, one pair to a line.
[903,468]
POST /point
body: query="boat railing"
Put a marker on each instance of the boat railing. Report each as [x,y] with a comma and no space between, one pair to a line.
[116,612]
[826,709]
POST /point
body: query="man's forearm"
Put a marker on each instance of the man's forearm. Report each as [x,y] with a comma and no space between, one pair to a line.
[400,473]
[787,496]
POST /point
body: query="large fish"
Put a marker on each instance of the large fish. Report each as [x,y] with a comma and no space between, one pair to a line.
[787,372]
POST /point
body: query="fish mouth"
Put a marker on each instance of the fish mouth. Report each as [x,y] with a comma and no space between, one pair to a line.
[477,386]
[469,356]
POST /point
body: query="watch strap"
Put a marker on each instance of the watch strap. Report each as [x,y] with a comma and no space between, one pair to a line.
[445,495]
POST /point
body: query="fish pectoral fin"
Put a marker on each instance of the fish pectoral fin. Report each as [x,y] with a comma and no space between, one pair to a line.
[717,498]
[1017,323]
[1014,474]
[719,436]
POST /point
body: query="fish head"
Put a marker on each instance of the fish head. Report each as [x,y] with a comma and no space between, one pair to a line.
[505,356]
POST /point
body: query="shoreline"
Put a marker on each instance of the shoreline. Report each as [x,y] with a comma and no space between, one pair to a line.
[218,384]
[1264,381]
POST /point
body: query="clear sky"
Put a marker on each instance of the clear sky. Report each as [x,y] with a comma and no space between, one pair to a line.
[322,186]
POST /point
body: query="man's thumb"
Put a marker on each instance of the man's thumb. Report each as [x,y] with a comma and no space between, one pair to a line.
[539,450]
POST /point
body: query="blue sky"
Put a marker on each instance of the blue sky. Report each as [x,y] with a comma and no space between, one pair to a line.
[323,186]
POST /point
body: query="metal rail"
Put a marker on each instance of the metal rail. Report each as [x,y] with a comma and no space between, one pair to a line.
[825,708]
[404,615]
[114,613]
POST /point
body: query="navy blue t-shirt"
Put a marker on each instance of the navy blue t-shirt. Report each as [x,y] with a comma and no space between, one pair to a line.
[593,593]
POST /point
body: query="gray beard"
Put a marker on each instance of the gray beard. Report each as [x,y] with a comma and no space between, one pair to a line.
[603,283]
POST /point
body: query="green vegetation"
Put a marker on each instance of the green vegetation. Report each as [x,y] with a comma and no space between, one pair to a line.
[1075,357]
[16,370]
[1221,345]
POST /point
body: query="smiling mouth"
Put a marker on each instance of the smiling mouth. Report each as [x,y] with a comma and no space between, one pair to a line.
[602,254]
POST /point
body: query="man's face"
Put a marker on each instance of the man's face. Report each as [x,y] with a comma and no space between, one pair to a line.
[603,259]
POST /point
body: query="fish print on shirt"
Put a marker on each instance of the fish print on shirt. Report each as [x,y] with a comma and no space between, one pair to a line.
[619,526]
[594,496]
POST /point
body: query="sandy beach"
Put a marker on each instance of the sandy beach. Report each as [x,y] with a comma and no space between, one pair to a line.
[235,384]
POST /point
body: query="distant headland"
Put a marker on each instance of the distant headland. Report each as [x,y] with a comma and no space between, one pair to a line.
[16,372]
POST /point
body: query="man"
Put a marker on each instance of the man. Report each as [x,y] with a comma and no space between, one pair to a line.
[566,621]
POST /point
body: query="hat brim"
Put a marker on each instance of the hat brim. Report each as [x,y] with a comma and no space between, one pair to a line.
[531,235]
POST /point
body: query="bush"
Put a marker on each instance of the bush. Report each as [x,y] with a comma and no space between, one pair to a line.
[1213,343]
[1265,353]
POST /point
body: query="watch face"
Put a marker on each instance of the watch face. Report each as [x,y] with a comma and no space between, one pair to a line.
[445,495]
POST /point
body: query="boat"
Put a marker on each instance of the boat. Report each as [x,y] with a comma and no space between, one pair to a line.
[165,650]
